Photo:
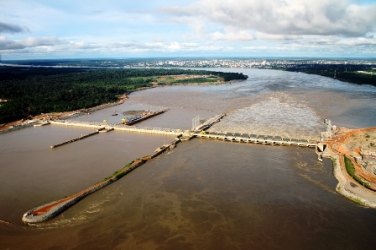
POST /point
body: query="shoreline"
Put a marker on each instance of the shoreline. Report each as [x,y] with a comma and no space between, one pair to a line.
[345,188]
[347,185]
[20,124]
[35,119]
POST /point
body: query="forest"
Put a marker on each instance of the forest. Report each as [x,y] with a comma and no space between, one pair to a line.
[352,73]
[27,91]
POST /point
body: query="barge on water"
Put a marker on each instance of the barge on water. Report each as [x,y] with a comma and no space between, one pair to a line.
[141,117]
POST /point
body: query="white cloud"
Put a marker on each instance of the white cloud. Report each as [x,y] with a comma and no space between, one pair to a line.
[237,35]
[287,17]
[54,45]
[213,26]
[285,25]
[30,42]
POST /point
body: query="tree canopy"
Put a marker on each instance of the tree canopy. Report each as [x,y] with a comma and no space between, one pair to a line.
[32,90]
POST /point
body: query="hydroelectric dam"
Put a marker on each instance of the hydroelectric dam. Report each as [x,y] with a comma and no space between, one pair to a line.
[199,130]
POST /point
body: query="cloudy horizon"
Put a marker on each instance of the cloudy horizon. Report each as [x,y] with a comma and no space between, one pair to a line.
[42,29]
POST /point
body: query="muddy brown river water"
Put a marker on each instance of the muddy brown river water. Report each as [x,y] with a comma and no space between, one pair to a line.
[203,194]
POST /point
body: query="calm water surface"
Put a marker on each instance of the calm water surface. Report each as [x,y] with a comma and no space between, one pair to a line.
[201,195]
[32,174]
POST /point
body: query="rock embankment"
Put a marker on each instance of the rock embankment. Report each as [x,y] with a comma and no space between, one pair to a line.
[355,183]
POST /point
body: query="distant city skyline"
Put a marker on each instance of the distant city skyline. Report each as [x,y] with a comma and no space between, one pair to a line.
[43,29]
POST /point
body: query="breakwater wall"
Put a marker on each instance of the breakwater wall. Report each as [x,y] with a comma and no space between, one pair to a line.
[50,210]
[77,139]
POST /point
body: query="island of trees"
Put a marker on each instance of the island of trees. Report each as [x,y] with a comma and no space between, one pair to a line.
[28,91]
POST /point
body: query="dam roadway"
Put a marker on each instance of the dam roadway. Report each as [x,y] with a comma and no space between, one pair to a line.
[119,127]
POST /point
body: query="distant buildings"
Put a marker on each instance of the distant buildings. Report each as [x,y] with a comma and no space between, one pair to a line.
[244,63]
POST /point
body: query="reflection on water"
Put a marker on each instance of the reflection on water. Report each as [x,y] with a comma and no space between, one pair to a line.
[203,194]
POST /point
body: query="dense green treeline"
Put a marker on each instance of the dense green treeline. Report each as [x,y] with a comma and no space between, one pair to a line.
[31,91]
[344,72]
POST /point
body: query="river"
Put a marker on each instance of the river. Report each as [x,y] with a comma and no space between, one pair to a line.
[203,194]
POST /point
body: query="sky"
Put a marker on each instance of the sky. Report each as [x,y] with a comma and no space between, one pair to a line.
[48,29]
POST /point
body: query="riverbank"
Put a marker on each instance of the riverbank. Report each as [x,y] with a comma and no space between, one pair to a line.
[186,80]
[358,186]
[58,90]
[12,126]
[24,123]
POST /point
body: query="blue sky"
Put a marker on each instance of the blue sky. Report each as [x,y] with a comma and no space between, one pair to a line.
[190,28]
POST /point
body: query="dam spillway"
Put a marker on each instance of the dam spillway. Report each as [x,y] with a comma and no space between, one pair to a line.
[266,140]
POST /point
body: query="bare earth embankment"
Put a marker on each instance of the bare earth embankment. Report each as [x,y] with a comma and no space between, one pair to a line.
[353,155]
